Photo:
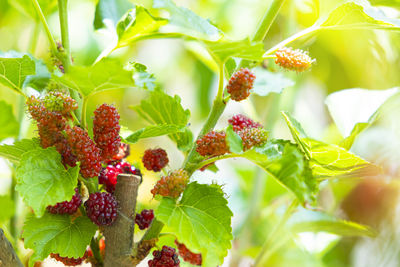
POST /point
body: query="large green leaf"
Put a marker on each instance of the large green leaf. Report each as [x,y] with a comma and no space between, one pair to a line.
[107,74]
[8,123]
[7,208]
[110,11]
[201,220]
[267,82]
[42,179]
[55,233]
[14,152]
[315,221]
[13,71]
[161,108]
[233,140]
[187,22]
[154,131]
[359,15]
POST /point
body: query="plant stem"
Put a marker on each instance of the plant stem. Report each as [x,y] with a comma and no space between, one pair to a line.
[40,14]
[63,14]
[83,113]
[267,20]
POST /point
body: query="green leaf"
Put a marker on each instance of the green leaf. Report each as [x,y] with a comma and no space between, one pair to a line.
[234,141]
[7,208]
[222,50]
[187,22]
[297,132]
[13,71]
[55,233]
[137,24]
[42,179]
[8,123]
[109,11]
[14,152]
[107,74]
[286,163]
[315,221]
[154,131]
[201,220]
[359,15]
[267,82]
[143,79]
[161,108]
[354,110]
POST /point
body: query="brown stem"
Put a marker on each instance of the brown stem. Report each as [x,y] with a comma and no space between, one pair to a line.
[8,257]
[119,236]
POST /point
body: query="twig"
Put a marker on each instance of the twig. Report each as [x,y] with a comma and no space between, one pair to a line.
[8,257]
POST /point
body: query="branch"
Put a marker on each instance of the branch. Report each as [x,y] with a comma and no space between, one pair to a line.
[119,236]
[8,257]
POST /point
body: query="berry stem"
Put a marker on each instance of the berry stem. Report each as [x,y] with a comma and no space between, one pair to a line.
[83,113]
[63,14]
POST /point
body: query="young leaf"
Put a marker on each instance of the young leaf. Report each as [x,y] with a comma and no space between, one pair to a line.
[154,131]
[161,108]
[359,15]
[13,71]
[267,82]
[42,179]
[7,208]
[107,74]
[14,152]
[201,220]
[8,123]
[136,24]
[234,141]
[109,11]
[187,22]
[297,133]
[55,233]
[315,221]
[142,78]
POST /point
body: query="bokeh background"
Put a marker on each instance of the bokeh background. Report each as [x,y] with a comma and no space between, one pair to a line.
[344,59]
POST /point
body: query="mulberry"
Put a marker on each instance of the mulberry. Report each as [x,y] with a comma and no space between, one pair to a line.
[101,208]
[295,60]
[67,207]
[69,261]
[108,177]
[155,159]
[240,122]
[144,219]
[187,255]
[167,257]
[171,185]
[253,137]
[212,144]
[240,84]
[123,152]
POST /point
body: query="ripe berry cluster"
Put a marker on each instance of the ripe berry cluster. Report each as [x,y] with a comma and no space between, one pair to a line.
[67,207]
[68,261]
[212,144]
[240,122]
[187,255]
[106,131]
[171,185]
[240,84]
[167,257]
[295,60]
[109,175]
[155,159]
[101,208]
[144,219]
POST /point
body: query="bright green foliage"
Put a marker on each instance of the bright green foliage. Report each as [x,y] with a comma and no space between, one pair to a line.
[233,140]
[13,71]
[268,82]
[23,6]
[315,221]
[55,233]
[7,208]
[8,124]
[187,22]
[42,179]
[142,78]
[161,108]
[106,74]
[201,220]
[14,152]
[111,10]
[153,131]
[138,23]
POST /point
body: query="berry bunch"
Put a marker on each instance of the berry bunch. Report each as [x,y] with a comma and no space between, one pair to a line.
[253,137]
[101,208]
[144,219]
[59,102]
[69,261]
[295,60]
[106,131]
[240,122]
[155,159]
[212,144]
[67,207]
[187,255]
[167,257]
[123,152]
[109,175]
[240,84]
[171,185]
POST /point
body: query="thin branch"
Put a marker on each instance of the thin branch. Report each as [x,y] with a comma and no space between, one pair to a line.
[8,257]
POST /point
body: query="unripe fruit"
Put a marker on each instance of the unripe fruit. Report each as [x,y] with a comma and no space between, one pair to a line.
[212,144]
[240,84]
[253,137]
[171,185]
[155,159]
[295,60]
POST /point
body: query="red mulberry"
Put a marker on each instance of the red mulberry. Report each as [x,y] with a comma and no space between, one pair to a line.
[253,137]
[101,208]
[240,122]
[171,185]
[123,152]
[69,261]
[85,150]
[167,257]
[187,255]
[108,177]
[106,131]
[240,84]
[295,60]
[144,219]
[212,144]
[67,207]
[155,159]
